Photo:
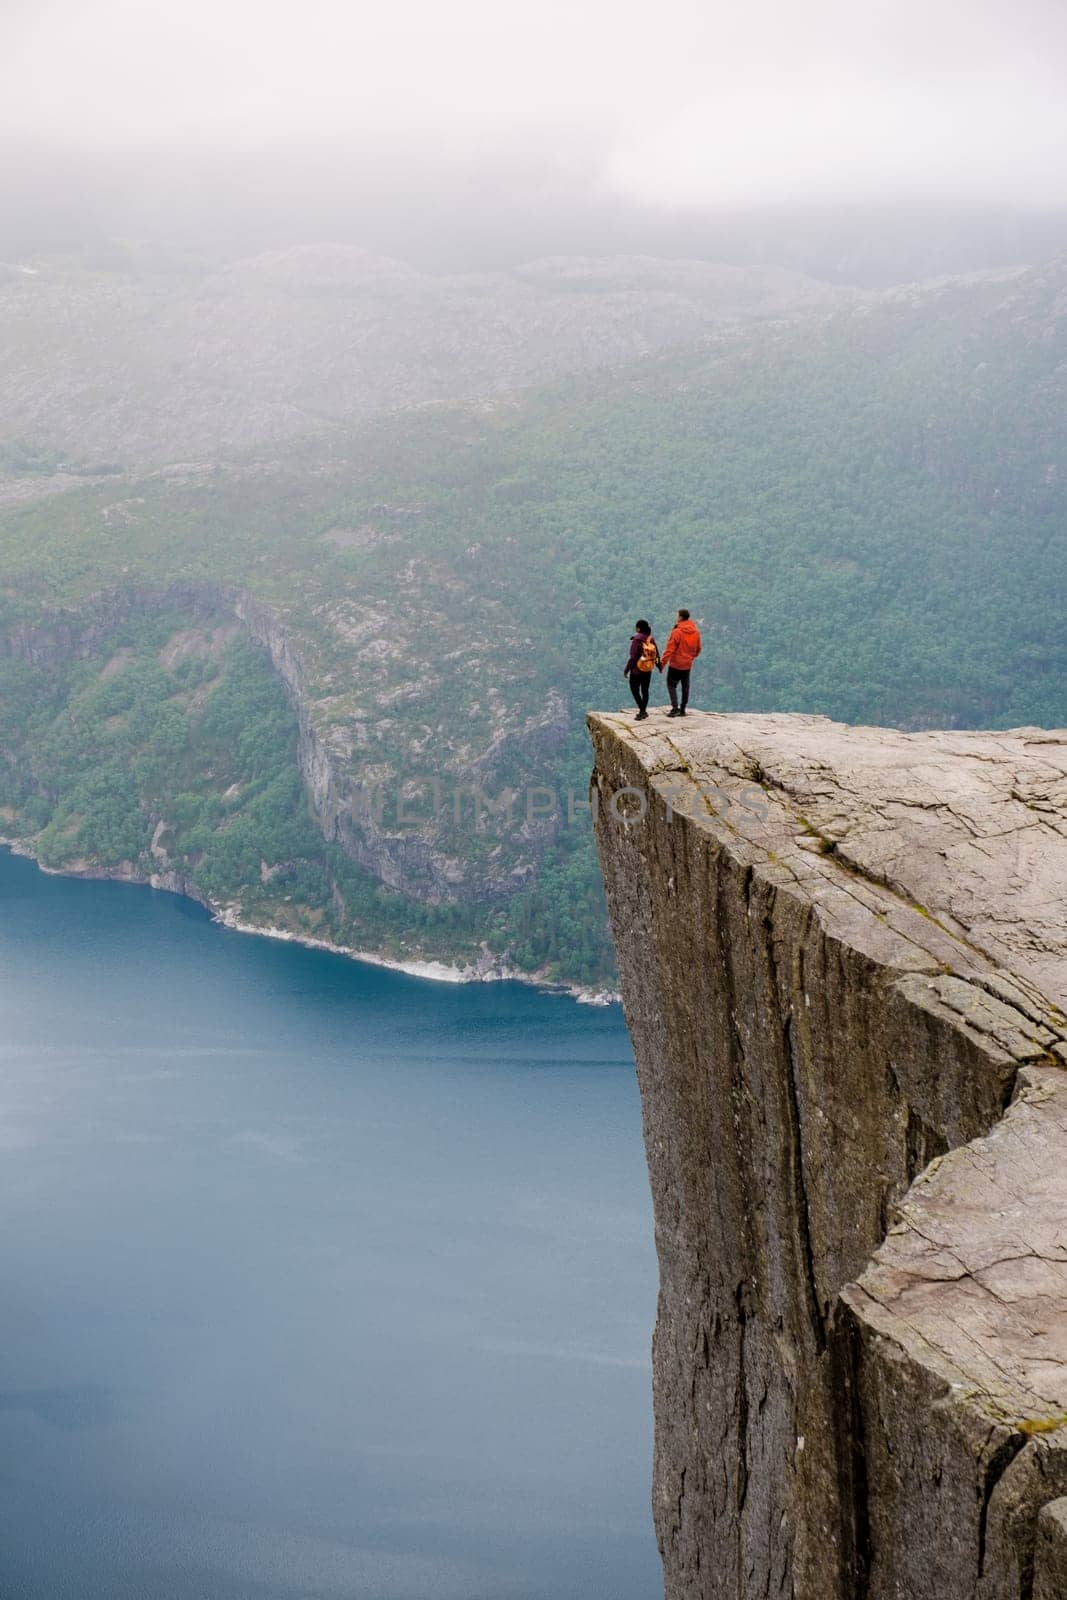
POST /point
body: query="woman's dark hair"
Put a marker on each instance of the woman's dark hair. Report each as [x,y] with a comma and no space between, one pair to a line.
[641,626]
[684,614]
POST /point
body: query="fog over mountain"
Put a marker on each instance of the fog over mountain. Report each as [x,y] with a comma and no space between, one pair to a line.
[700,103]
[348,355]
[366,370]
[913,140]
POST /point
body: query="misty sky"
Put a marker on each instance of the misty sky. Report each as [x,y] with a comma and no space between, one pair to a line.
[684,102]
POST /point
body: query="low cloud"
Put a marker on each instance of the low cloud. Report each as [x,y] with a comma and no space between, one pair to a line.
[819,138]
[690,103]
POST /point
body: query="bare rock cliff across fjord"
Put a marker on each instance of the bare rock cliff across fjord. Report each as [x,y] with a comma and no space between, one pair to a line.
[843,956]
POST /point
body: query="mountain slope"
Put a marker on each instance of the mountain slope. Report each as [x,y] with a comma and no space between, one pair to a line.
[865,511]
[135,367]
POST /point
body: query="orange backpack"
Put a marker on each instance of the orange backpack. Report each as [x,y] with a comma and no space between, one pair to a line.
[649,655]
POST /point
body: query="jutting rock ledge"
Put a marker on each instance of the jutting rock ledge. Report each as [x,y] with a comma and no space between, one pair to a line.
[843,956]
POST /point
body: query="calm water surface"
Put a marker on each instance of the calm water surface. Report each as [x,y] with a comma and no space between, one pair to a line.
[317,1280]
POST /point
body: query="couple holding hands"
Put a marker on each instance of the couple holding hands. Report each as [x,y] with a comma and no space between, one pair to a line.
[683,647]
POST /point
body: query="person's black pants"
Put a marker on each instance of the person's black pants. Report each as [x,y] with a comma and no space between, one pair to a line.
[676,676]
[639,684]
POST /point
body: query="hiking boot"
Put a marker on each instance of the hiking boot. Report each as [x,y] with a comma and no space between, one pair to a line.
[673,712]
[642,716]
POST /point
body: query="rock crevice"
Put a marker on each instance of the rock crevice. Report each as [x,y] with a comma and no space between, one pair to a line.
[844,968]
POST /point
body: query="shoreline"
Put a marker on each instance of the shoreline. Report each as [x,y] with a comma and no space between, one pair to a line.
[493,970]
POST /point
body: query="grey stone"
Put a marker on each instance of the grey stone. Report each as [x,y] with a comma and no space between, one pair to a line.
[1050,1576]
[843,955]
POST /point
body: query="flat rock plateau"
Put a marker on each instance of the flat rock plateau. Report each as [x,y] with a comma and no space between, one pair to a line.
[843,954]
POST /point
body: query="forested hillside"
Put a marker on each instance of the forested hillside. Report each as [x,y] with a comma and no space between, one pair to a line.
[864,509]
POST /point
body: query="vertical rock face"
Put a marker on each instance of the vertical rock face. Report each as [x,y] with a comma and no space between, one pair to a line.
[844,966]
[1051,1574]
[426,855]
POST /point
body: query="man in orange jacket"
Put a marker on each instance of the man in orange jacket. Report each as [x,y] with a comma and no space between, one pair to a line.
[683,647]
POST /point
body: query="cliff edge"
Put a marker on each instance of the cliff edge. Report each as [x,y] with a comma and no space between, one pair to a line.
[843,955]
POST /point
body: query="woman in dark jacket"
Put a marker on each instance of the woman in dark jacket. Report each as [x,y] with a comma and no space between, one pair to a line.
[639,667]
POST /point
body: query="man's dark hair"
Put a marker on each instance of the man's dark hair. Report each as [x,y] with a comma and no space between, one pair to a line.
[683,613]
[641,626]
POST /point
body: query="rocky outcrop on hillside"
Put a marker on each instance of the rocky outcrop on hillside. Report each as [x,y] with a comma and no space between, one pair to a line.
[843,955]
[441,832]
[408,827]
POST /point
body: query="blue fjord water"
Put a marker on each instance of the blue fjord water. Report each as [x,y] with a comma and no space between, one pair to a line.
[315,1280]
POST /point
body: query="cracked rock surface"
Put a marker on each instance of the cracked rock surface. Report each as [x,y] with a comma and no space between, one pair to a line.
[843,955]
